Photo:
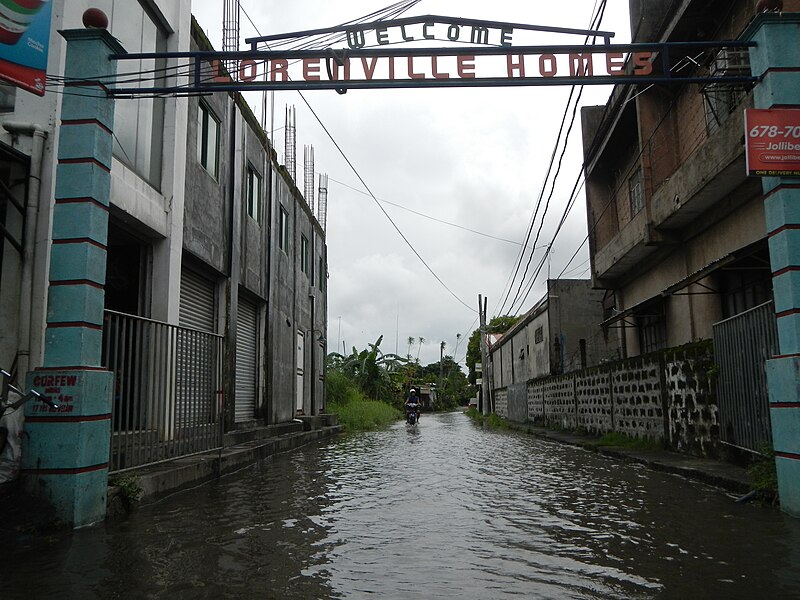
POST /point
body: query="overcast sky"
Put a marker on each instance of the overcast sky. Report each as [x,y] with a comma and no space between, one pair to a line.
[475,158]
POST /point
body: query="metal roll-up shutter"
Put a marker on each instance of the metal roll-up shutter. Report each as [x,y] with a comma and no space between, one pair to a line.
[196,354]
[197,301]
[246,360]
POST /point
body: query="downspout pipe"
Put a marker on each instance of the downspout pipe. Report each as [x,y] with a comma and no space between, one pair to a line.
[39,135]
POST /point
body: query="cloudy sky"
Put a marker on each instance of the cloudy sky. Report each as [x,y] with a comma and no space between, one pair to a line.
[459,171]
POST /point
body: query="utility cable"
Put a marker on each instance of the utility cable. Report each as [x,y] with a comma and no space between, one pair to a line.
[372,195]
[595,24]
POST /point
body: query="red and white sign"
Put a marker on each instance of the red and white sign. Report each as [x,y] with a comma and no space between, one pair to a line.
[772,142]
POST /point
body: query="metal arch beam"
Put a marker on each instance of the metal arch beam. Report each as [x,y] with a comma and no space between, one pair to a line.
[202,82]
[438,19]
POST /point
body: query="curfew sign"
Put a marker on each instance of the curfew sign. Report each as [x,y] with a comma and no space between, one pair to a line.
[773,142]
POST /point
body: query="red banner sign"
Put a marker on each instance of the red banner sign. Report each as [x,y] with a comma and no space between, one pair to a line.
[773,142]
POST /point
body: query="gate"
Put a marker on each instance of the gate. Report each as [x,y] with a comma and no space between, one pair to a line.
[161,409]
[742,346]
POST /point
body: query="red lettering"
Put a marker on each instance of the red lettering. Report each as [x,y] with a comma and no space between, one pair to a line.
[248,70]
[435,68]
[548,65]
[411,72]
[72,380]
[615,63]
[391,68]
[642,63]
[278,67]
[466,67]
[581,65]
[36,380]
[219,74]
[369,68]
[518,67]
[311,69]
[346,69]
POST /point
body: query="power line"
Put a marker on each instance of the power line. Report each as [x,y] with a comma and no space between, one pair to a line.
[402,8]
[437,220]
[594,24]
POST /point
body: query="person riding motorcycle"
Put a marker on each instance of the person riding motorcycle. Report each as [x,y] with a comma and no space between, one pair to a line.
[412,399]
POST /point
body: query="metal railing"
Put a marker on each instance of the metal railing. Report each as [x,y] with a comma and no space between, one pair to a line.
[167,399]
[742,346]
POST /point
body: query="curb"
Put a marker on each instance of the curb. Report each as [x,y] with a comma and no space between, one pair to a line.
[721,475]
[159,481]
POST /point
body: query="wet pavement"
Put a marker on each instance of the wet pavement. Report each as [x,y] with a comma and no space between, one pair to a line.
[443,510]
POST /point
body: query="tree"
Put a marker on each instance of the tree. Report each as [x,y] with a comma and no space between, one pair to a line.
[453,388]
[421,341]
[411,340]
[499,324]
[372,371]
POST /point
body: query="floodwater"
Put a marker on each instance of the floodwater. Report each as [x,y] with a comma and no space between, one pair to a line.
[445,510]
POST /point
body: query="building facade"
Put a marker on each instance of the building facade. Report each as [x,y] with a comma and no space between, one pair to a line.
[212,267]
[677,230]
[558,335]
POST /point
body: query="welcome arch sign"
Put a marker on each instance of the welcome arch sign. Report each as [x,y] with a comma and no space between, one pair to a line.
[392,54]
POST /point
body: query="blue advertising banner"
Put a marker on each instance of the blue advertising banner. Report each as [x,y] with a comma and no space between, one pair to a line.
[24,42]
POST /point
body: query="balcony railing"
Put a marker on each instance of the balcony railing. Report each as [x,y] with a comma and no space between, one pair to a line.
[167,401]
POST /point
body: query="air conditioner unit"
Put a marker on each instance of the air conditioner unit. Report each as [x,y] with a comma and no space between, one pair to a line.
[731,62]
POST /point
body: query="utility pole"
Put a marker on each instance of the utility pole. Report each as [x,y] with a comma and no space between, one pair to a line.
[484,357]
[441,368]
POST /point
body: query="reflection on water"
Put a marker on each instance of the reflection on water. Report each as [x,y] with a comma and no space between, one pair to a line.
[441,511]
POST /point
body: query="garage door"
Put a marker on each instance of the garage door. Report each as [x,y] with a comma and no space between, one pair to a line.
[246,360]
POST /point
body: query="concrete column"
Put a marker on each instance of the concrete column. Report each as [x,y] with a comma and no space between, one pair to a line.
[777,59]
[66,452]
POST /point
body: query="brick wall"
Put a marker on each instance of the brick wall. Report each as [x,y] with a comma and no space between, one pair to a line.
[594,401]
[665,396]
[638,407]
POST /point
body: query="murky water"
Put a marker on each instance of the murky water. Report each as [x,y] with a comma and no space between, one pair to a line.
[447,510]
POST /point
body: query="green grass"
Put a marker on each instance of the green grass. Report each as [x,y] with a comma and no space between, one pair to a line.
[764,477]
[354,410]
[620,440]
[365,415]
[492,421]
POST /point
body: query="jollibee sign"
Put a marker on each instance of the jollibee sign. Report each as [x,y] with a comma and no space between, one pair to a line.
[773,142]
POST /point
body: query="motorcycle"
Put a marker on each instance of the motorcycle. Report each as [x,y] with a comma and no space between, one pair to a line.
[412,413]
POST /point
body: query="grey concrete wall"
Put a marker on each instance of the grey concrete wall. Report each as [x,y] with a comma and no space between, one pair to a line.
[207,211]
[666,396]
[298,303]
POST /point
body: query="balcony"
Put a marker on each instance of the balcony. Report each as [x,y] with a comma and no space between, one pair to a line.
[715,171]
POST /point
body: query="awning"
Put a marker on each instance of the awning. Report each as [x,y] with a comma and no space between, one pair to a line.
[638,309]
[698,275]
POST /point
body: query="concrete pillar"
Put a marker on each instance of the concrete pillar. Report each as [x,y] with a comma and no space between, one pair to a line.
[777,59]
[66,452]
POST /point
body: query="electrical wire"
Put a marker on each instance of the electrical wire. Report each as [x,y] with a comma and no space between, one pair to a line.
[407,6]
[423,215]
[594,24]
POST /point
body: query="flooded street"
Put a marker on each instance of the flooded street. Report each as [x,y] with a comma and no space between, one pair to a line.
[447,510]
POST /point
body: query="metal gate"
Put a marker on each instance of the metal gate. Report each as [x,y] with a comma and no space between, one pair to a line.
[197,390]
[742,346]
[246,360]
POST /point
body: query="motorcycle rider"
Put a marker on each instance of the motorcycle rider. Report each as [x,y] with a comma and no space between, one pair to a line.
[412,399]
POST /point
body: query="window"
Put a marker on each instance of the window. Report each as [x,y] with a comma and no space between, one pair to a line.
[322,274]
[538,335]
[636,192]
[139,122]
[652,332]
[253,194]
[207,139]
[283,230]
[304,254]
